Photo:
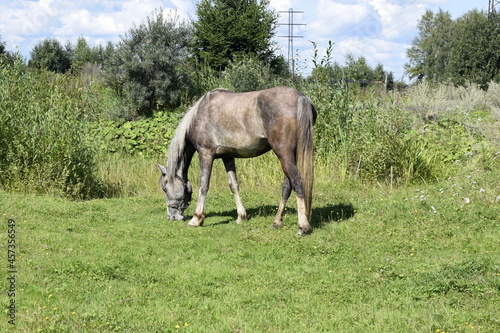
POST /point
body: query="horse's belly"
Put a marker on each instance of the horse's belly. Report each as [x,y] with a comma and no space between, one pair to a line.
[244,149]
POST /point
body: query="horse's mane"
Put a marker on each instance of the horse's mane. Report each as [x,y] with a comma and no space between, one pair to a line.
[178,144]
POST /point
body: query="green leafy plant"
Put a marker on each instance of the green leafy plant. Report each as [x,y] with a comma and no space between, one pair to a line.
[144,137]
[43,146]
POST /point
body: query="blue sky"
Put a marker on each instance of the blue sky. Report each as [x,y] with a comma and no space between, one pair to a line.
[380,30]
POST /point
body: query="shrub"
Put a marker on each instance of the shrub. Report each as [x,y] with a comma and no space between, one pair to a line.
[333,129]
[148,65]
[42,141]
[145,137]
[376,138]
[249,74]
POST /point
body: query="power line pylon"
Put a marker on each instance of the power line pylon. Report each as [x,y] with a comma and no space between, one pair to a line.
[291,36]
[493,6]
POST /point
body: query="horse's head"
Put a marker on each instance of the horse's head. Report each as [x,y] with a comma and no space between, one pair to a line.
[178,192]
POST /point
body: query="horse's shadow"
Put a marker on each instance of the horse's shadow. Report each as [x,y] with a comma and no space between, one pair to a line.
[266,210]
[321,216]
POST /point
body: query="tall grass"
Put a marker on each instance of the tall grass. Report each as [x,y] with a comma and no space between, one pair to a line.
[365,136]
[420,135]
[127,175]
[493,99]
[445,99]
[42,140]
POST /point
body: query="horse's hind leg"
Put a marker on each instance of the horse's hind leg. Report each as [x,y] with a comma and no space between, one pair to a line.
[290,169]
[286,189]
[233,185]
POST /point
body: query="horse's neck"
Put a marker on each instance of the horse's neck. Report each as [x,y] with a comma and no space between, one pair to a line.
[185,162]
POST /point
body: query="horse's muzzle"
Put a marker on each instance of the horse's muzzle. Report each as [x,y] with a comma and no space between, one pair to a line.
[174,214]
[176,217]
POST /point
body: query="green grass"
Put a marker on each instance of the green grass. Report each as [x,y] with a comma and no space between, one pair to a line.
[413,259]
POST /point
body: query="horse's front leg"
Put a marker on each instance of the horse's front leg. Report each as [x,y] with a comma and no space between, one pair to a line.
[233,185]
[206,162]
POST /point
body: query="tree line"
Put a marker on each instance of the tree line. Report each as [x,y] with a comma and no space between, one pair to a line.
[464,50]
[164,62]
[355,70]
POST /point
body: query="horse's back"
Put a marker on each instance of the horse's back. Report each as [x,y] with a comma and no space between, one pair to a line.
[240,124]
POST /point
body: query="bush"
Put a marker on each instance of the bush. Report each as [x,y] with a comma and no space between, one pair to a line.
[364,138]
[376,138]
[42,142]
[148,65]
[144,137]
[334,125]
[246,73]
[249,74]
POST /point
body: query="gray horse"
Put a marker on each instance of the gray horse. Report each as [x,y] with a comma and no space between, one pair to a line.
[224,124]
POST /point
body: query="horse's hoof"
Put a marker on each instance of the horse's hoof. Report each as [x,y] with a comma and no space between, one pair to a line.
[241,218]
[304,231]
[277,225]
[195,222]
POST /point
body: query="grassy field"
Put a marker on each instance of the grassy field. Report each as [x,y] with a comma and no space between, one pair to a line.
[86,245]
[412,259]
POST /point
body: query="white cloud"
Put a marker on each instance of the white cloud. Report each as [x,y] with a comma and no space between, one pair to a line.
[282,4]
[116,18]
[334,18]
[397,17]
[24,23]
[183,7]
[83,22]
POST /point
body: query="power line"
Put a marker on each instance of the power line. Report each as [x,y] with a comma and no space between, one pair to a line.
[291,36]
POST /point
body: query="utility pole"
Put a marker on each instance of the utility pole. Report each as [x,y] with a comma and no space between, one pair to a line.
[291,36]
[493,6]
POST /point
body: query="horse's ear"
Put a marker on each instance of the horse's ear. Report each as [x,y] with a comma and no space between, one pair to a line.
[163,170]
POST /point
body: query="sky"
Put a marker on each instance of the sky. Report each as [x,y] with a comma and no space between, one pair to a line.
[379,30]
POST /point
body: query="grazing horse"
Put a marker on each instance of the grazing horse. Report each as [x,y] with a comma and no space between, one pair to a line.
[223,124]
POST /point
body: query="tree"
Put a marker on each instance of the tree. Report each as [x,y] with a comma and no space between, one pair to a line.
[475,59]
[9,57]
[430,51]
[2,46]
[4,54]
[82,53]
[50,54]
[148,64]
[462,50]
[227,29]
[358,69]
[328,72]
[379,72]
[355,70]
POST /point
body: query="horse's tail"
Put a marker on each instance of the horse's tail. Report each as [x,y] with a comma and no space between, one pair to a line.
[306,117]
